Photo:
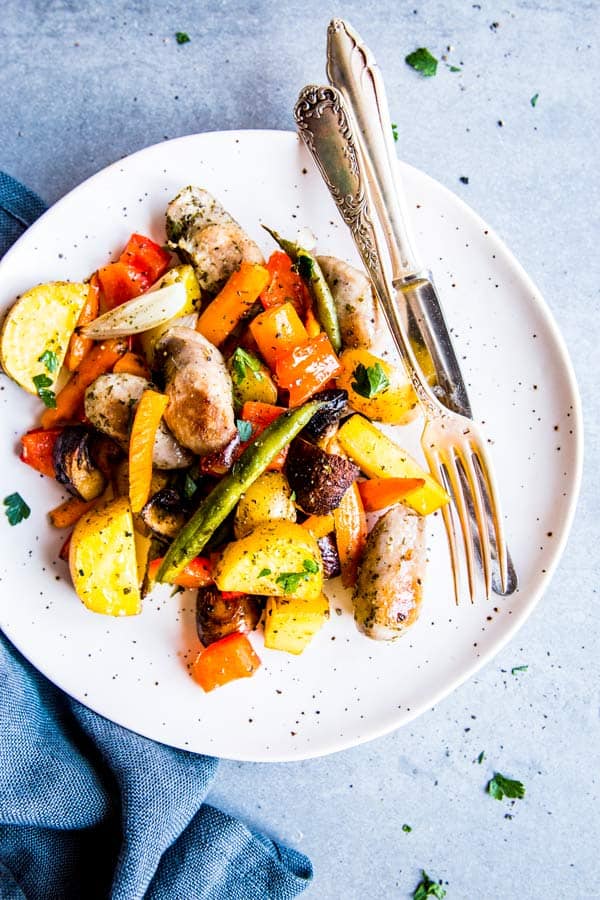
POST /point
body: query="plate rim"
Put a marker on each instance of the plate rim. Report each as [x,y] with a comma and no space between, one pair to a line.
[529,603]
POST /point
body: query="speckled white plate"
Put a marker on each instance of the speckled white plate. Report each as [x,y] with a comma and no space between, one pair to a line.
[345,688]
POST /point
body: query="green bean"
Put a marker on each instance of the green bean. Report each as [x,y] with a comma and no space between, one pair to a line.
[194,536]
[310,270]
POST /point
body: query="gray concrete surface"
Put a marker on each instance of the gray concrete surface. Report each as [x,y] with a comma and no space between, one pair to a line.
[83,83]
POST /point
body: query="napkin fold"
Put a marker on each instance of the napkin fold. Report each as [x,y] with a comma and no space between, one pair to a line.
[90,809]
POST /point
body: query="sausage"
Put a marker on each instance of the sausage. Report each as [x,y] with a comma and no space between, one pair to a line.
[200,391]
[110,403]
[389,588]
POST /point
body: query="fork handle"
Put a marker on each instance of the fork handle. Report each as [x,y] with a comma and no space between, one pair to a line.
[352,68]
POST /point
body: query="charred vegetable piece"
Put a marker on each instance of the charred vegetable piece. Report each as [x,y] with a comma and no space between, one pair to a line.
[319,479]
[330,556]
[219,503]
[74,465]
[165,513]
[218,615]
[220,461]
[334,407]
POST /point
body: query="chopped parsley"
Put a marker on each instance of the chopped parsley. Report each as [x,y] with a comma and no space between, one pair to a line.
[42,384]
[263,573]
[534,99]
[189,486]
[290,580]
[422,61]
[370,380]
[406,828]
[516,669]
[241,362]
[16,509]
[50,360]
[182,37]
[428,888]
[394,131]
[244,429]
[481,757]
[455,68]
[500,786]
[310,566]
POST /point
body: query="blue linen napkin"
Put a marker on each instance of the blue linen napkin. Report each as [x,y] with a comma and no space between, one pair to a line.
[91,810]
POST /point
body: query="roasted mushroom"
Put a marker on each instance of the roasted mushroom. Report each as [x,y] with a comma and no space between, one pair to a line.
[74,464]
[165,513]
[319,479]
[218,615]
[330,556]
[335,406]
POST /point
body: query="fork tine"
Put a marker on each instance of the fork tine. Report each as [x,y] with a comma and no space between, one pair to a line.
[463,516]
[487,473]
[481,518]
[436,470]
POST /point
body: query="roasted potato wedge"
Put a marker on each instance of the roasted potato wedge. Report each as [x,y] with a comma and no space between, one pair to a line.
[291,624]
[267,499]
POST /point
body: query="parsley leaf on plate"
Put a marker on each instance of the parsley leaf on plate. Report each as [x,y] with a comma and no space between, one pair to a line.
[406,828]
[244,429]
[500,786]
[516,669]
[481,757]
[534,99]
[16,509]
[394,131]
[42,384]
[241,362]
[422,61]
[428,888]
[182,37]
[264,572]
[50,360]
[370,380]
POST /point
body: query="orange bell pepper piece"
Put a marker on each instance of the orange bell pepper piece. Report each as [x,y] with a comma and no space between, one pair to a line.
[311,323]
[99,360]
[132,364]
[196,574]
[226,660]
[277,329]
[285,285]
[37,448]
[304,369]
[79,346]
[147,418]
[377,493]
[319,526]
[69,512]
[350,533]
[232,303]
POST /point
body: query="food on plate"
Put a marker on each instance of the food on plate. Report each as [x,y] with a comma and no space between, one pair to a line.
[216,434]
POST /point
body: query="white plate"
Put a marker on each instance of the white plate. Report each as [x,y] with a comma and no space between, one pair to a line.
[345,688]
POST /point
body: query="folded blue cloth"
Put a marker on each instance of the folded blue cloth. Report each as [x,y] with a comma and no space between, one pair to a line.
[91,810]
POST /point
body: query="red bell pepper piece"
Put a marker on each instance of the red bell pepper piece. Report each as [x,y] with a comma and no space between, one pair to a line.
[148,258]
[196,574]
[260,415]
[226,660]
[120,282]
[306,368]
[38,448]
[285,285]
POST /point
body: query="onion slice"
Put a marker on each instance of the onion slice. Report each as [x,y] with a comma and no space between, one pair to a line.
[140,314]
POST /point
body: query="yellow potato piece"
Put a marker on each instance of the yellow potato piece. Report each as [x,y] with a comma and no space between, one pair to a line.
[102,560]
[291,624]
[276,559]
[268,499]
[380,457]
[41,320]
[396,404]
[178,274]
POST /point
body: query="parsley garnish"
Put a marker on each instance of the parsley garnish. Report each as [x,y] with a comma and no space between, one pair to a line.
[16,509]
[428,888]
[244,429]
[50,360]
[189,486]
[290,580]
[534,99]
[370,380]
[406,828]
[310,566]
[518,669]
[182,37]
[42,383]
[455,68]
[241,361]
[422,61]
[499,787]
[263,573]
[481,757]
[395,131]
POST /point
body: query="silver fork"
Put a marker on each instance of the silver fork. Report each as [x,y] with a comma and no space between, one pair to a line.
[453,445]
